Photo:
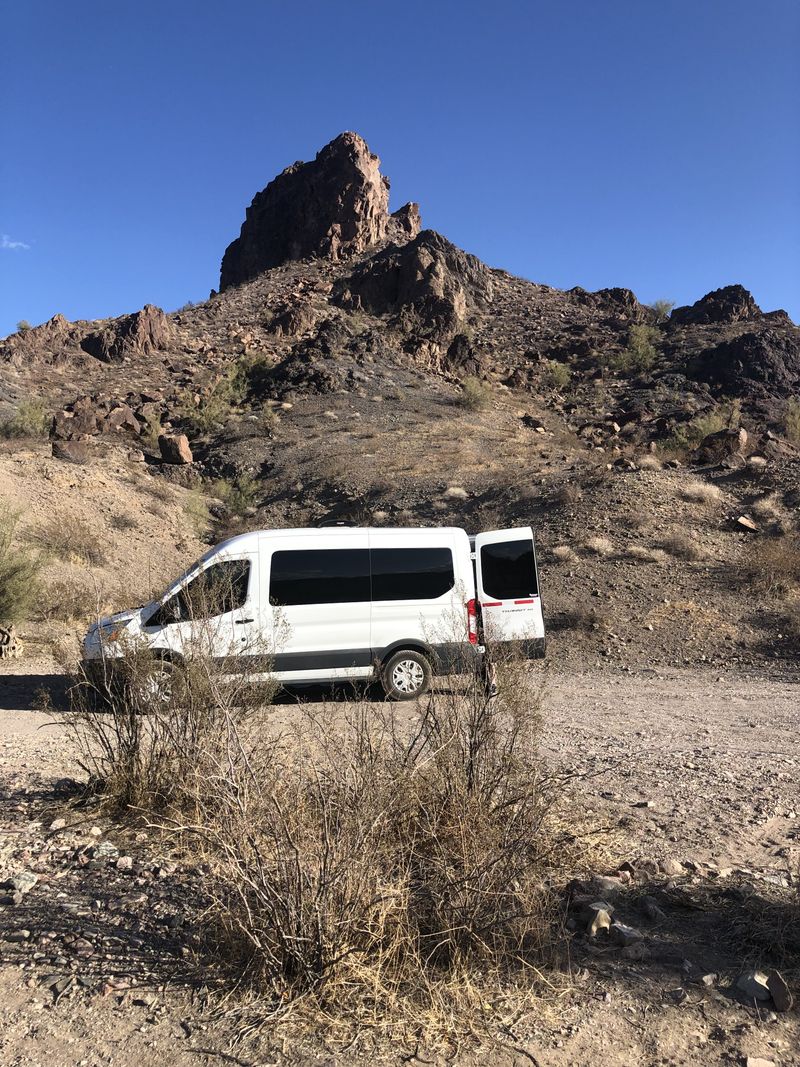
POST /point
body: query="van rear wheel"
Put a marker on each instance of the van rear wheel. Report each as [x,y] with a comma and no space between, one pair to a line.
[406,675]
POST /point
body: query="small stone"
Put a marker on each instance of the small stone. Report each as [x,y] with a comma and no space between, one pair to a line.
[23,882]
[18,935]
[781,994]
[758,1061]
[644,804]
[671,867]
[58,824]
[125,863]
[753,984]
[95,832]
[622,934]
[708,980]
[746,523]
[107,851]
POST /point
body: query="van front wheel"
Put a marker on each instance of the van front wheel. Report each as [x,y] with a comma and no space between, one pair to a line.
[406,675]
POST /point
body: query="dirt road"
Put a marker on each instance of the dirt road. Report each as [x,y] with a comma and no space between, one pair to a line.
[699,772]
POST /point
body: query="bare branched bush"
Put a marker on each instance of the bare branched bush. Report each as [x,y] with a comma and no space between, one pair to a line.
[648,462]
[72,539]
[67,599]
[396,867]
[773,567]
[564,554]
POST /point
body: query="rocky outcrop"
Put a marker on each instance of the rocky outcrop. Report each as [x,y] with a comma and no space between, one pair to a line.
[755,363]
[733,303]
[335,207]
[429,285]
[38,344]
[143,332]
[405,224]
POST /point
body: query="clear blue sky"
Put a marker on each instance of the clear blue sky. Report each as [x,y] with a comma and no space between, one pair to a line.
[651,145]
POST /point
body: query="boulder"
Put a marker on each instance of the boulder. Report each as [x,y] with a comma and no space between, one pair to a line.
[122,419]
[174,448]
[74,450]
[335,206]
[717,447]
[758,362]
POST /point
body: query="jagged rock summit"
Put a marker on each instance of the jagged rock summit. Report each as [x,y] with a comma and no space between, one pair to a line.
[335,206]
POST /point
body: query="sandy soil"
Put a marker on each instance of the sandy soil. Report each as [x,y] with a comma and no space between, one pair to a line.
[692,768]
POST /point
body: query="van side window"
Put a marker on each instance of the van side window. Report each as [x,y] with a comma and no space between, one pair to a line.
[411,573]
[319,576]
[507,569]
[217,590]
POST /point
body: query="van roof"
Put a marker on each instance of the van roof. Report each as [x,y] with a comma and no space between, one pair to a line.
[240,540]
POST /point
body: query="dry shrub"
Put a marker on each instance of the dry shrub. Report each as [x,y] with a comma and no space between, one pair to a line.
[773,567]
[72,539]
[599,546]
[701,492]
[568,494]
[644,554]
[585,618]
[683,546]
[648,462]
[398,870]
[475,394]
[768,508]
[67,599]
[564,554]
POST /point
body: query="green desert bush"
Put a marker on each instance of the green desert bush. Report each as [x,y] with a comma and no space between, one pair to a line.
[640,354]
[792,421]
[557,375]
[20,571]
[31,419]
[475,394]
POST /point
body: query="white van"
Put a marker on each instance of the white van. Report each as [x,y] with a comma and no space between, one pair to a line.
[323,605]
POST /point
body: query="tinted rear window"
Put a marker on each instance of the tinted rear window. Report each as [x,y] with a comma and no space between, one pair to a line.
[319,576]
[508,570]
[411,573]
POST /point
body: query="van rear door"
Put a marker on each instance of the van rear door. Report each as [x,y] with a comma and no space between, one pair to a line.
[508,588]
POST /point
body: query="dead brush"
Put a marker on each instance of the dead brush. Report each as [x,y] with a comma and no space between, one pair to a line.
[72,539]
[391,871]
[773,566]
[698,492]
[683,546]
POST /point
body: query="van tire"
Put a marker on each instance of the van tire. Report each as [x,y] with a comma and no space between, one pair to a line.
[406,675]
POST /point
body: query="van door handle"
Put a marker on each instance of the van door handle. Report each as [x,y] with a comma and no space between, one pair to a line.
[241,622]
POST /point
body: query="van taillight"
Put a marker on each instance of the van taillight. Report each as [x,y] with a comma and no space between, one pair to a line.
[472,622]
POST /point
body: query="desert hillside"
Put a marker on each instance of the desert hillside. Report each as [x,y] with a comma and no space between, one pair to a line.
[355,367]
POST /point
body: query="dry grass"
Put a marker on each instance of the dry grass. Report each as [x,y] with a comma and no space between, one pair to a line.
[773,566]
[599,546]
[645,554]
[68,599]
[683,546]
[387,871]
[648,462]
[768,508]
[70,538]
[563,554]
[698,492]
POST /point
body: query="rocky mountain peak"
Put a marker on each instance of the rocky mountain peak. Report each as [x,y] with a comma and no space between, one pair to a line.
[335,206]
[733,303]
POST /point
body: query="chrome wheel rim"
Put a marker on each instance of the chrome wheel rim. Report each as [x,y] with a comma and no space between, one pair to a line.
[407,676]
